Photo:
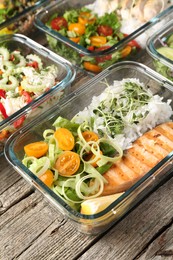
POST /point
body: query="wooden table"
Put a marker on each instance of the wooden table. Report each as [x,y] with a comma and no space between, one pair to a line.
[30,229]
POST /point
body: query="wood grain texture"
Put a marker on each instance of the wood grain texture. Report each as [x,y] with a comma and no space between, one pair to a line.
[132,235]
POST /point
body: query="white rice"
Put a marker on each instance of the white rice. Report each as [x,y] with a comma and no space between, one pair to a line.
[158,112]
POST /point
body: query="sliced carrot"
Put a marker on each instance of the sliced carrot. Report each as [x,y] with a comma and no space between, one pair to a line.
[67,163]
[65,139]
[36,149]
[47,178]
[92,67]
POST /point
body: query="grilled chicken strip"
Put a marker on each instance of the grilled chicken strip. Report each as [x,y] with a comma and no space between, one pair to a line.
[147,151]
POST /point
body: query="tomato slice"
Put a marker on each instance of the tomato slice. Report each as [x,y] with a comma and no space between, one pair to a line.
[33,64]
[47,178]
[67,163]
[27,96]
[78,28]
[18,123]
[104,30]
[133,43]
[105,57]
[98,41]
[65,139]
[58,23]
[90,136]
[92,67]
[36,149]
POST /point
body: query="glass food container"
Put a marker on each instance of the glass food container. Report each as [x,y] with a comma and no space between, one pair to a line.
[68,107]
[96,53]
[160,48]
[57,82]
[17,16]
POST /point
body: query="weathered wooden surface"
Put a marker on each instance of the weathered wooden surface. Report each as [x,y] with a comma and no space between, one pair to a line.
[30,229]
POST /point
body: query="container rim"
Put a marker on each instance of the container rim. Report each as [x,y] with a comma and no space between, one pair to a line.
[150,47]
[70,70]
[80,49]
[51,195]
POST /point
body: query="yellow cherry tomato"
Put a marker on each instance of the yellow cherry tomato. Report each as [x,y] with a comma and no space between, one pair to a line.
[67,163]
[65,139]
[98,41]
[78,28]
[86,18]
[47,178]
[36,149]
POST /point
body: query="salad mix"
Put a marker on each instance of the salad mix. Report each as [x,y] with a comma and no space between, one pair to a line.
[22,79]
[93,32]
[167,51]
[73,155]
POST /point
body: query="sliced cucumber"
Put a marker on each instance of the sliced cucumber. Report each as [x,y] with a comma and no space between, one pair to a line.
[167,52]
[169,39]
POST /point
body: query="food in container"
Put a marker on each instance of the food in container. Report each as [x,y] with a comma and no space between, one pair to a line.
[160,47]
[77,182]
[17,16]
[98,34]
[30,74]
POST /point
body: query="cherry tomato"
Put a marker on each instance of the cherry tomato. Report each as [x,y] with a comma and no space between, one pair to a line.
[18,123]
[126,51]
[90,136]
[67,163]
[78,28]
[98,41]
[104,30]
[65,139]
[47,178]
[75,39]
[27,96]
[133,43]
[33,64]
[90,48]
[58,23]
[92,67]
[86,18]
[105,57]
[36,149]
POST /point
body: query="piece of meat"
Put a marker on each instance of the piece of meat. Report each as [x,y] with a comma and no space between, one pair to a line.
[138,9]
[147,151]
[152,8]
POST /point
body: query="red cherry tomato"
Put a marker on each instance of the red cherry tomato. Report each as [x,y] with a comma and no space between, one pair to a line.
[58,23]
[33,64]
[105,57]
[104,30]
[19,122]
[27,96]
[133,43]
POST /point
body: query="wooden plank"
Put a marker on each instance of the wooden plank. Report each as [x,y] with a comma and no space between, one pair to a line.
[161,248]
[8,175]
[131,235]
[33,230]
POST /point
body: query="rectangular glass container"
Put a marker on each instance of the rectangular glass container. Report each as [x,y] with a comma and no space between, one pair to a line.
[162,52]
[78,54]
[68,107]
[18,17]
[65,75]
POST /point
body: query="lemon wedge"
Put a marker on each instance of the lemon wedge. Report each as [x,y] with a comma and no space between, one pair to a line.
[96,205]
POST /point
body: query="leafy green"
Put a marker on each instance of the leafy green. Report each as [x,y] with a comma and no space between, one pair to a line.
[63,122]
[71,16]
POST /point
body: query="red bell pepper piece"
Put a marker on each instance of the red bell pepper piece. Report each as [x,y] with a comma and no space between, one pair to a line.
[3,111]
